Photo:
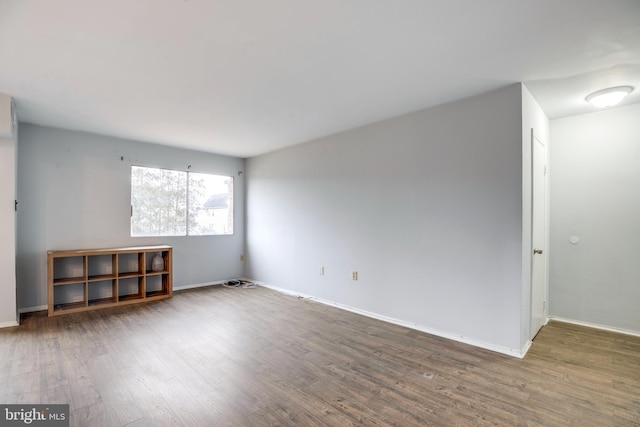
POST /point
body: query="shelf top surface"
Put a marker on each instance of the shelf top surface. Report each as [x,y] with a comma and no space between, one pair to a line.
[78,252]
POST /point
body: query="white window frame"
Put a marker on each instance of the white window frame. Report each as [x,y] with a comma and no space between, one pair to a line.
[230,213]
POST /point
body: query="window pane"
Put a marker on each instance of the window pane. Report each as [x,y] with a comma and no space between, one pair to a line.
[158,200]
[210,204]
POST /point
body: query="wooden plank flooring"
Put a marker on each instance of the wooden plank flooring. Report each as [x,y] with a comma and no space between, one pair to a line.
[253,357]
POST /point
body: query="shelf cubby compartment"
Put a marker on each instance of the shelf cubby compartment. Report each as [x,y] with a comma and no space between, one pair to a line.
[131,288]
[67,270]
[131,264]
[156,284]
[149,263]
[101,292]
[87,279]
[70,297]
[101,267]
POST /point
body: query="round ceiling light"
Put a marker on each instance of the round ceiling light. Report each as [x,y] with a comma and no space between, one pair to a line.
[609,97]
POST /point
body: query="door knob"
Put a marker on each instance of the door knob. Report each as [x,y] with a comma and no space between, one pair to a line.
[537,251]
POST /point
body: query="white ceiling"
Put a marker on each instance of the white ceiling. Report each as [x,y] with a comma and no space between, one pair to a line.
[244,77]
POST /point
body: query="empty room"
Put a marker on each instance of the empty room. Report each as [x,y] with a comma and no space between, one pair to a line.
[320,213]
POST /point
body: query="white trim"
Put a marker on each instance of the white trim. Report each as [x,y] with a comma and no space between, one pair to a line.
[9,324]
[499,349]
[596,326]
[33,309]
[198,285]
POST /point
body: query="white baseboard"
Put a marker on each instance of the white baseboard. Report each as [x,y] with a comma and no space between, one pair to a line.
[198,285]
[9,324]
[596,326]
[33,309]
[175,288]
[499,349]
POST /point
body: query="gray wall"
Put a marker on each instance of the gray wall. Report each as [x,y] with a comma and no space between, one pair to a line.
[74,192]
[427,208]
[595,195]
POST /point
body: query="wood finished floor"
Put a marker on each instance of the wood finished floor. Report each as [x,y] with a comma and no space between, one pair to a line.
[254,357]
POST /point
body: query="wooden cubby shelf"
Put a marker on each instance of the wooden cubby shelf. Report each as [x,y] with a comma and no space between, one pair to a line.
[89,279]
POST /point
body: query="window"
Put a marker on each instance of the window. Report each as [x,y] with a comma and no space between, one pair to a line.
[210,204]
[174,203]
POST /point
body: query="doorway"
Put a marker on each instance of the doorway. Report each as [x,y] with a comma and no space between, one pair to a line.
[538,234]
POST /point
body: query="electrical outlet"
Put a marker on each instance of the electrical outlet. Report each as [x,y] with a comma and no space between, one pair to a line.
[322,271]
[354,275]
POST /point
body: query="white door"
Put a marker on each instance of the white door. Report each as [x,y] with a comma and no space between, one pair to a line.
[538,264]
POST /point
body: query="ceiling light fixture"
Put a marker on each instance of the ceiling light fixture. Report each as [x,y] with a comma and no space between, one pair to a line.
[609,97]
